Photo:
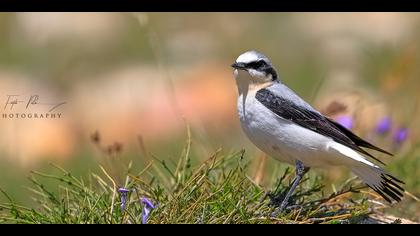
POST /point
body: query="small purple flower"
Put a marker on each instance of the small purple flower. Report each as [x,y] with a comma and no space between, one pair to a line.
[124,193]
[345,121]
[384,125]
[400,135]
[147,208]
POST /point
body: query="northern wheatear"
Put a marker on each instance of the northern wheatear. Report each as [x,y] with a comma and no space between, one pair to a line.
[284,126]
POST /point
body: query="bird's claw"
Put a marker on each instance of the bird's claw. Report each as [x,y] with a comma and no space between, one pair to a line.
[276,200]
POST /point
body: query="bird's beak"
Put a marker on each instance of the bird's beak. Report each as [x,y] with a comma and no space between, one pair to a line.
[238,65]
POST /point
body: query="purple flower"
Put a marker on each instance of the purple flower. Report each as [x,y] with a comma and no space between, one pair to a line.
[124,193]
[384,125]
[345,121]
[147,208]
[400,135]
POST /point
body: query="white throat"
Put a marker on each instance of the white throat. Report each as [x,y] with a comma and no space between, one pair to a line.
[250,81]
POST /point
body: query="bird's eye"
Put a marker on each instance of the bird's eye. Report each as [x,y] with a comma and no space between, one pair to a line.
[257,64]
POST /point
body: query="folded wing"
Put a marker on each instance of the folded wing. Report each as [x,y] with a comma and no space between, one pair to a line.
[315,121]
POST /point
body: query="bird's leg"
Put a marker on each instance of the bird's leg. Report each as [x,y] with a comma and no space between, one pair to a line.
[300,172]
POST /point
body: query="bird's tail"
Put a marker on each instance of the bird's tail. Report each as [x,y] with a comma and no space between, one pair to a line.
[374,176]
[381,182]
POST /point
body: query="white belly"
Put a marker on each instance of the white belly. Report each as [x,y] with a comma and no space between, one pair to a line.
[282,139]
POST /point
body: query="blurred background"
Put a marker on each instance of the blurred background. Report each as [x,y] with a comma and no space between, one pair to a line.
[135,81]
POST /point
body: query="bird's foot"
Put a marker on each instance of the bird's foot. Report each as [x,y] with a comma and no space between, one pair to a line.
[285,208]
[278,202]
[286,195]
[276,199]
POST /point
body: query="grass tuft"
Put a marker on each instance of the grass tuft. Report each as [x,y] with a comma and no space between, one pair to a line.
[216,191]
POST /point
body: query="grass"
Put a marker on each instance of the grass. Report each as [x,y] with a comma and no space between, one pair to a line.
[218,190]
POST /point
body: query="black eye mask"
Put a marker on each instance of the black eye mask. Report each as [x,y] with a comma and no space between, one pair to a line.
[257,64]
[261,65]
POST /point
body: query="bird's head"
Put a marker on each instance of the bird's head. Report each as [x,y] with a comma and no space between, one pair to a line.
[254,68]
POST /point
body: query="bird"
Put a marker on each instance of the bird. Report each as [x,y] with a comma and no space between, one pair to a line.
[284,126]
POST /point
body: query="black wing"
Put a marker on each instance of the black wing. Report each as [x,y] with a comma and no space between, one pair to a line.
[315,122]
